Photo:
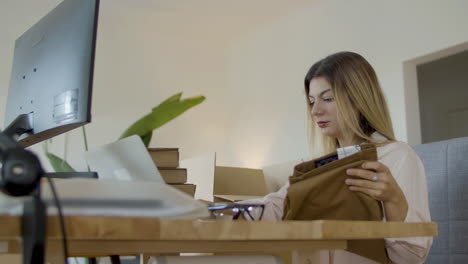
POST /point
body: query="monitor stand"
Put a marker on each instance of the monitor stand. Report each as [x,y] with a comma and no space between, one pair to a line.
[23,124]
[21,172]
[33,221]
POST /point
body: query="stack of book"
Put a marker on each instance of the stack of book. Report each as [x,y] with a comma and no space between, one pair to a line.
[167,161]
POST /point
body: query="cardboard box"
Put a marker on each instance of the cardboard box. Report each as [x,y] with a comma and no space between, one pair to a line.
[232,184]
[223,184]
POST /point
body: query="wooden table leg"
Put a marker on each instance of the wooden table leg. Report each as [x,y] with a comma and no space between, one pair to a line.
[54,252]
[11,258]
[144,258]
[54,260]
[306,257]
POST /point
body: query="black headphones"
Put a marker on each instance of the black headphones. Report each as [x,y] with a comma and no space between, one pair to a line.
[20,169]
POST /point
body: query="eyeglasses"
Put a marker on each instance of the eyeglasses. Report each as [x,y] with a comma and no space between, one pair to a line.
[233,211]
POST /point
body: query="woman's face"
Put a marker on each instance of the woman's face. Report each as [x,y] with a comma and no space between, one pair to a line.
[324,111]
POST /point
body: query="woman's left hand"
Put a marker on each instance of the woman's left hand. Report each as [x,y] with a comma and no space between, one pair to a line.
[377,181]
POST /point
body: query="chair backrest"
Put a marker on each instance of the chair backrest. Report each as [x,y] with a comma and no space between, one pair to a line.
[446,165]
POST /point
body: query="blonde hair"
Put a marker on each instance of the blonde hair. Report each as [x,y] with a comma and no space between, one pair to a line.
[360,102]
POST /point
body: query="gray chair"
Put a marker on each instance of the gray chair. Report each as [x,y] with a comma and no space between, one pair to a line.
[446,165]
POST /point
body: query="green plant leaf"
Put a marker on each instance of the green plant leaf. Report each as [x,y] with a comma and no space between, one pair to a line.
[172,99]
[58,164]
[147,138]
[162,114]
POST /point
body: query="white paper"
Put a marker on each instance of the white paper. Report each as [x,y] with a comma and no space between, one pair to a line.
[200,171]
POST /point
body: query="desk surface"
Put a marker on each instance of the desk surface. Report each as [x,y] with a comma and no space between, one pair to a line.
[132,228]
[122,235]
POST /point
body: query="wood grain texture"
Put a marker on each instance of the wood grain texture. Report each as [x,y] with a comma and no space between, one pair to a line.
[102,236]
[86,248]
[127,228]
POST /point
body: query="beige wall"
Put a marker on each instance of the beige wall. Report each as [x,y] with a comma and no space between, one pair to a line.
[247,57]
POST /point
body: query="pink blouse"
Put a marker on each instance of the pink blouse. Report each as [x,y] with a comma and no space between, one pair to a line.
[408,171]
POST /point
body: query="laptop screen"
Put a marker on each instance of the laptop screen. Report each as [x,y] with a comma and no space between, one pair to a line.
[126,159]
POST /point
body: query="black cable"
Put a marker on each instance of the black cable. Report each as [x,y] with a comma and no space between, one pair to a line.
[62,222]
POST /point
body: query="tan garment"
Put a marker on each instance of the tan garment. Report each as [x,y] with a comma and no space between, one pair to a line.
[321,193]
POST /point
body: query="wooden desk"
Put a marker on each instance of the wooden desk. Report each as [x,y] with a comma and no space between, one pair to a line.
[101,236]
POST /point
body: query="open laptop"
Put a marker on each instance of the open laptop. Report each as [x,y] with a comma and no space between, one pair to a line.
[126,159]
[129,184]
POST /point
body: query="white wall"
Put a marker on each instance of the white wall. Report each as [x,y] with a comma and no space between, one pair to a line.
[247,57]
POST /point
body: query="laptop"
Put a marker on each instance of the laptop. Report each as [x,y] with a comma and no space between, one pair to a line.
[129,184]
[125,160]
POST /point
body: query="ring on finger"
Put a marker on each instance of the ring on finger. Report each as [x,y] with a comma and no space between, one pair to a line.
[375,178]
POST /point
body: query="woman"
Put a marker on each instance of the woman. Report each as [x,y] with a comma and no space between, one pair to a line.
[347,106]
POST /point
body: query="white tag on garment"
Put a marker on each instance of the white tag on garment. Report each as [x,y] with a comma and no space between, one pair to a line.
[347,151]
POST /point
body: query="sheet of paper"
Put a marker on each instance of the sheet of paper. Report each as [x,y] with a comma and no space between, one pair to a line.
[200,171]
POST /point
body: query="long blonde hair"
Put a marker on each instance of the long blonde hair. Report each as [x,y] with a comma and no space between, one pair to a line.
[361,105]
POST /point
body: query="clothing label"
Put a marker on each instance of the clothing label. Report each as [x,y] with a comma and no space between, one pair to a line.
[341,153]
[320,163]
[347,151]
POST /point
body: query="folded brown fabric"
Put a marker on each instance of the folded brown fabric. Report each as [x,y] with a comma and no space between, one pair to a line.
[318,191]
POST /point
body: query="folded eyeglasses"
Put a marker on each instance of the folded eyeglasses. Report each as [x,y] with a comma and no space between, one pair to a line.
[228,211]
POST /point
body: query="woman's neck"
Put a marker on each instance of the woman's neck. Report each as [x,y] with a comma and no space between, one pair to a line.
[348,141]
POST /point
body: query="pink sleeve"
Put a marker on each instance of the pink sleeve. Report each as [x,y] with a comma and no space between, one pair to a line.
[410,175]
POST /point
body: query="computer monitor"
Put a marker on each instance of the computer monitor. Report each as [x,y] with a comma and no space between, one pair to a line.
[52,75]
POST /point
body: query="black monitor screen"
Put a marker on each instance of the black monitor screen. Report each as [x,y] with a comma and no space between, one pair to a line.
[52,74]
